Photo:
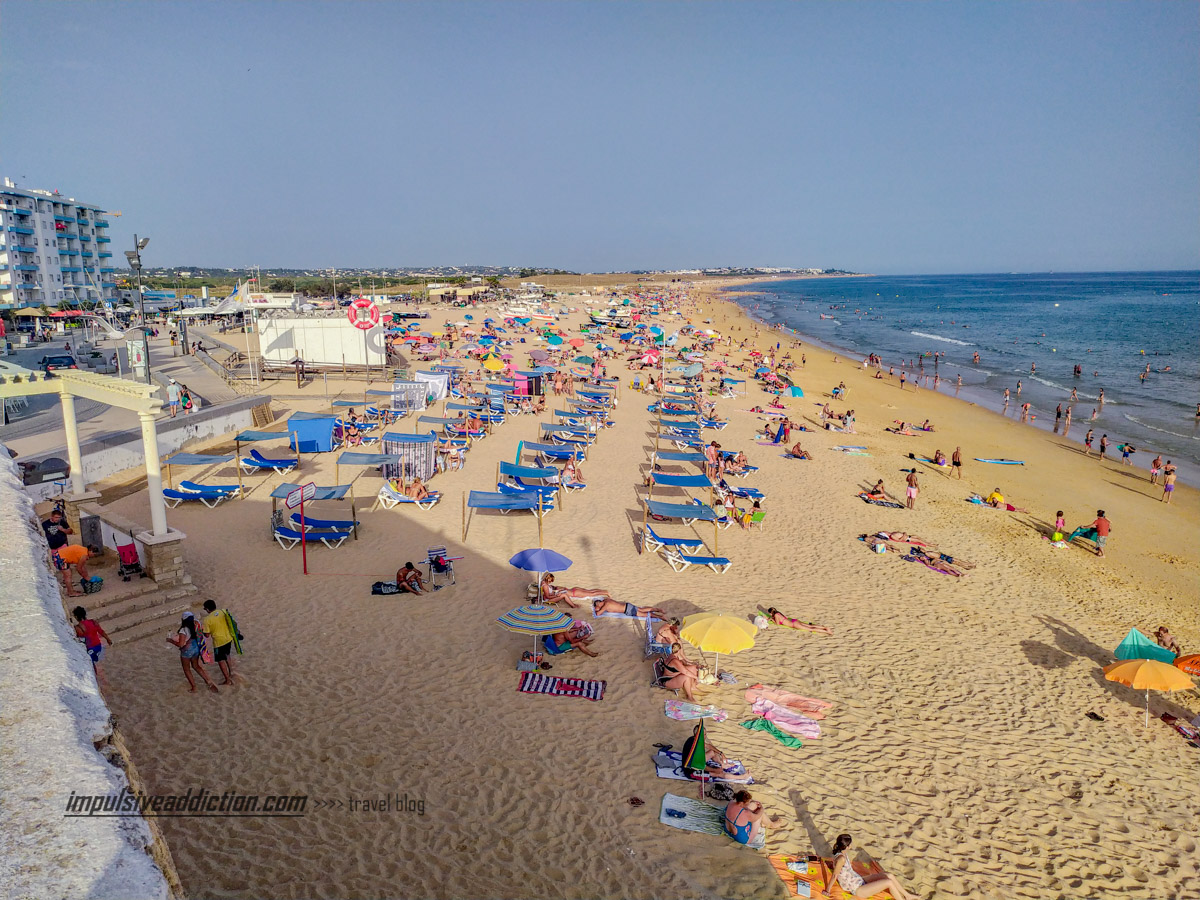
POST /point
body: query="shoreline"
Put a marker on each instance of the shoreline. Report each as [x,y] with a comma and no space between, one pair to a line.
[1188,472]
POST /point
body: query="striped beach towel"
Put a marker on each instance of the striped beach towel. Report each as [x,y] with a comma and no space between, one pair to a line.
[537,683]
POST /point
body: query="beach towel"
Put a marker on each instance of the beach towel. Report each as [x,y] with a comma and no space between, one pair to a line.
[787,719]
[669,764]
[888,503]
[810,880]
[811,707]
[682,710]
[772,729]
[537,683]
[700,816]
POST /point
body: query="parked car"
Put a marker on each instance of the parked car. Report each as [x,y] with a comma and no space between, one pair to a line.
[63,361]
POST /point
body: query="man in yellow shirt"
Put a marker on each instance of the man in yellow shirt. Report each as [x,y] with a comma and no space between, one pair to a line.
[995,498]
[217,625]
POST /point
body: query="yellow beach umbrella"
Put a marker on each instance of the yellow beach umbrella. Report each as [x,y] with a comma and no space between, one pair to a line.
[1148,675]
[493,364]
[718,633]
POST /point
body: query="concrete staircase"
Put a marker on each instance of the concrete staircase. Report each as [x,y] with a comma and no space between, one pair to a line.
[138,609]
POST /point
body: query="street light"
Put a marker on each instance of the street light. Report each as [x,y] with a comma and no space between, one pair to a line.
[135,262]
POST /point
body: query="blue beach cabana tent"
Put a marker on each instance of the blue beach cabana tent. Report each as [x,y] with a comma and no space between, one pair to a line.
[311,432]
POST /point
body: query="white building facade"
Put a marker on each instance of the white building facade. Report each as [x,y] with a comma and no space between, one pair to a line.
[53,250]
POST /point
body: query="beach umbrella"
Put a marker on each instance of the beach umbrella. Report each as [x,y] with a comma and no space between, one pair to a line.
[469,318]
[718,633]
[795,391]
[697,758]
[1189,664]
[576,342]
[536,619]
[554,340]
[492,364]
[586,360]
[1137,646]
[538,353]
[540,560]
[1148,675]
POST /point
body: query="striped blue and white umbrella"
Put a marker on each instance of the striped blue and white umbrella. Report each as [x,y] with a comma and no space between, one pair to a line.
[535,619]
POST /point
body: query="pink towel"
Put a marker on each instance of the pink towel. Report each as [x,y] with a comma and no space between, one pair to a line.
[786,719]
[814,709]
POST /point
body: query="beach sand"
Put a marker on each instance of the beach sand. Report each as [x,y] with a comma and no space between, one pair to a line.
[957,751]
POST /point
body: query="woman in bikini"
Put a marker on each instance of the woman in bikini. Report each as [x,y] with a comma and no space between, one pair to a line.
[780,619]
[743,818]
[861,885]
[682,673]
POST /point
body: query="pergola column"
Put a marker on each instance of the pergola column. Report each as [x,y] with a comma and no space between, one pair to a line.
[158,508]
[74,456]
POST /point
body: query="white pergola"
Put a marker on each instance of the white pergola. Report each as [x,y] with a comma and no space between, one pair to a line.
[135,396]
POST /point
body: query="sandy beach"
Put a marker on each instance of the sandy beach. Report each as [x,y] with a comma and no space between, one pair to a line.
[957,752]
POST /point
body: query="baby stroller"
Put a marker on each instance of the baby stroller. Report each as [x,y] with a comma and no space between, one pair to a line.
[130,564]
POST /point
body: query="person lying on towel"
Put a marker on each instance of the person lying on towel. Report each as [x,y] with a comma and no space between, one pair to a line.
[551,593]
[609,605]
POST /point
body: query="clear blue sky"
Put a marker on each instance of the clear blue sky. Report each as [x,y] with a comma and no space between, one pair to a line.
[891,138]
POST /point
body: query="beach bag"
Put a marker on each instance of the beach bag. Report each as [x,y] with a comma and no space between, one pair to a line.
[206,650]
[439,564]
[385,587]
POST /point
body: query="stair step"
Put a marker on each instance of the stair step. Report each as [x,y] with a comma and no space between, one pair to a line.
[118,609]
[113,596]
[150,628]
[161,612]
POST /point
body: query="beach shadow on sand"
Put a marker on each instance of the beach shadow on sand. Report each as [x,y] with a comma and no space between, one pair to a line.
[820,845]
[1073,643]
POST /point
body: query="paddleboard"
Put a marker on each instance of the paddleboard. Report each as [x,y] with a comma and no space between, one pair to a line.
[1002,462]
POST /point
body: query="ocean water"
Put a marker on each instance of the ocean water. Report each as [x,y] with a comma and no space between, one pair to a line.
[1111,324]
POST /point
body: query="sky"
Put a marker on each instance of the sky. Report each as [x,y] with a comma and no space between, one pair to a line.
[894,138]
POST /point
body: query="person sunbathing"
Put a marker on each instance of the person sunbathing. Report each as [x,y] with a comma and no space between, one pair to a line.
[351,436]
[780,619]
[743,818]
[747,518]
[926,426]
[408,579]
[668,634]
[552,593]
[861,885]
[715,760]
[939,458]
[416,489]
[574,638]
[571,473]
[877,492]
[682,674]
[607,604]
[799,452]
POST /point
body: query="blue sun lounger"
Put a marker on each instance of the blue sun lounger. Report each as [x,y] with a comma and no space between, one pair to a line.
[173,498]
[257,461]
[212,490]
[289,538]
[653,542]
[680,561]
[742,493]
[390,497]
[504,502]
[326,524]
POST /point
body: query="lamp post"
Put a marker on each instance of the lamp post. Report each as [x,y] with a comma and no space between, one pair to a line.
[135,262]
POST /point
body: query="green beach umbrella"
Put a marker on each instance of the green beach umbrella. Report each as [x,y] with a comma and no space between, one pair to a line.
[584,359]
[1137,646]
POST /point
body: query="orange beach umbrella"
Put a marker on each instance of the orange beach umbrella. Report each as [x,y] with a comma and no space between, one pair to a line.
[1148,675]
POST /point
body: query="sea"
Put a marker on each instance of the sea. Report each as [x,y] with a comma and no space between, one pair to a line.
[1029,330]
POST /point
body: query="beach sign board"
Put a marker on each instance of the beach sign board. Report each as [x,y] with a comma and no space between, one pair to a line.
[301,494]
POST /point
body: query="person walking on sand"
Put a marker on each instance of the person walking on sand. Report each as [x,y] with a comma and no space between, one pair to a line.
[1168,483]
[91,633]
[956,462]
[903,378]
[1103,446]
[220,627]
[190,641]
[912,490]
[1155,469]
[1087,442]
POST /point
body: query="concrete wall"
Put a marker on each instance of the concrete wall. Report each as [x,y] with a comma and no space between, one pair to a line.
[122,450]
[320,341]
[53,719]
